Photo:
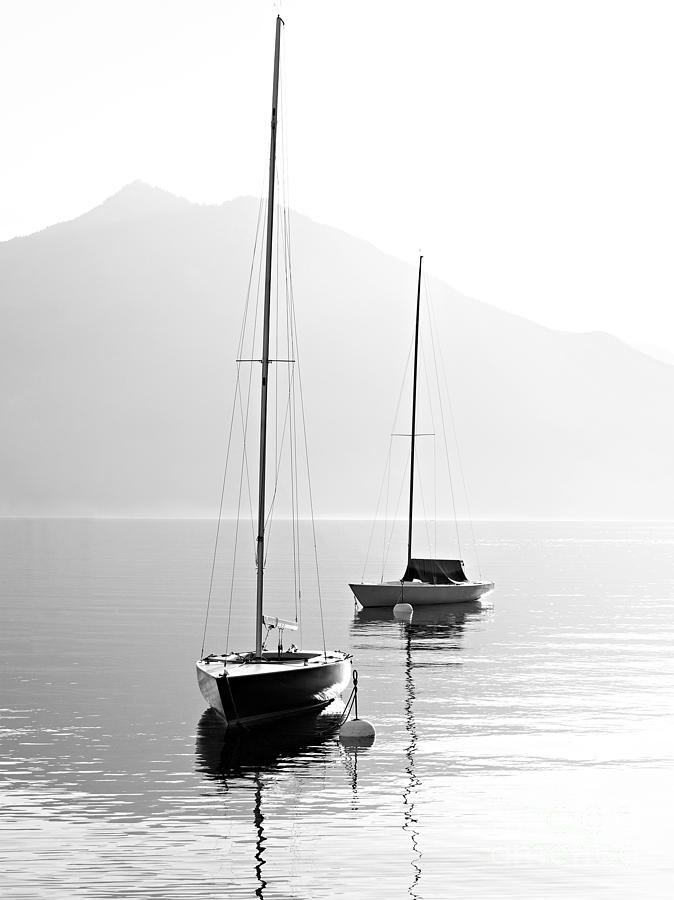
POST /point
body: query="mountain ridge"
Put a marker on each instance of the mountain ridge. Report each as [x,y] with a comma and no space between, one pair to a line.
[134,189]
[116,350]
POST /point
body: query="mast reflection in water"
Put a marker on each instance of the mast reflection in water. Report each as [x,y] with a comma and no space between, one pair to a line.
[414,781]
[430,630]
[540,741]
[236,758]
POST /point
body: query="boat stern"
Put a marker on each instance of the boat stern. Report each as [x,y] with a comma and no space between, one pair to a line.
[208,674]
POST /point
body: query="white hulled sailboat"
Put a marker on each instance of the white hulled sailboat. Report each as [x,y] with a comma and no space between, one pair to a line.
[426,582]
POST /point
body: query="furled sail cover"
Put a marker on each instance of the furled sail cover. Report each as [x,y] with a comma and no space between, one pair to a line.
[435,571]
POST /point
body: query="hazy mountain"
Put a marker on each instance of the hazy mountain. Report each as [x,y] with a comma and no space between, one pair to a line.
[117,348]
[657,352]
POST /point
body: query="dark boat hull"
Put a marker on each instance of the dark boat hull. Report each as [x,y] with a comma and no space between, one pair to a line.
[257,691]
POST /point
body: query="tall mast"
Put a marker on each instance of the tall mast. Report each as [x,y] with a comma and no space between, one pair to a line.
[414,417]
[265,351]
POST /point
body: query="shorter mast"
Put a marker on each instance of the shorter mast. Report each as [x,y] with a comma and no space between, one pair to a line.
[414,418]
[265,351]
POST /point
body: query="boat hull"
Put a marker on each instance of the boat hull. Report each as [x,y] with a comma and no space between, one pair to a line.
[257,691]
[418,594]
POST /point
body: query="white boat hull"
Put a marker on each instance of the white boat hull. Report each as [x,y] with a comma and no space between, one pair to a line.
[389,593]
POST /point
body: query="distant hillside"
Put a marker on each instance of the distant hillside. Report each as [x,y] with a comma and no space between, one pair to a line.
[117,349]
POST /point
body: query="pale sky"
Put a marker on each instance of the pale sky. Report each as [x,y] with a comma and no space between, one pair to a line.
[526,147]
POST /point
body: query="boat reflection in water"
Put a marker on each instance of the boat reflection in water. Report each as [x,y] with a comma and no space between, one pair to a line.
[434,617]
[238,755]
[224,752]
[264,757]
[431,629]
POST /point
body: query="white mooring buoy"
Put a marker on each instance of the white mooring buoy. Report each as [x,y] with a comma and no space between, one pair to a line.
[403,612]
[357,732]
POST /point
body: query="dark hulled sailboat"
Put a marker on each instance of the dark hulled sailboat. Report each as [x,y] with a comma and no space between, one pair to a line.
[259,685]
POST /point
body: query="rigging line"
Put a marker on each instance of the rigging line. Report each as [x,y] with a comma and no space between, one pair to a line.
[284,136]
[277,469]
[386,478]
[234,552]
[427,385]
[244,324]
[311,507]
[306,455]
[217,532]
[260,272]
[403,484]
[395,422]
[261,232]
[282,235]
[295,473]
[278,450]
[246,415]
[458,450]
[276,387]
[423,503]
[387,473]
[430,411]
[295,500]
[276,353]
[294,508]
[244,462]
[276,335]
[285,233]
[231,427]
[435,501]
[277,458]
[295,458]
[268,519]
[304,430]
[442,416]
[387,464]
[395,517]
[242,331]
[402,383]
[283,115]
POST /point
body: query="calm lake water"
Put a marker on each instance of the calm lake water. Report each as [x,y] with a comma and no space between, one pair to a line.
[524,747]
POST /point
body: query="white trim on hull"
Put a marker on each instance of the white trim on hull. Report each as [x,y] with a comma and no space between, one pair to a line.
[388,593]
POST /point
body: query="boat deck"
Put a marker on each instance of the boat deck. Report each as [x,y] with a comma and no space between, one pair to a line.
[240,664]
